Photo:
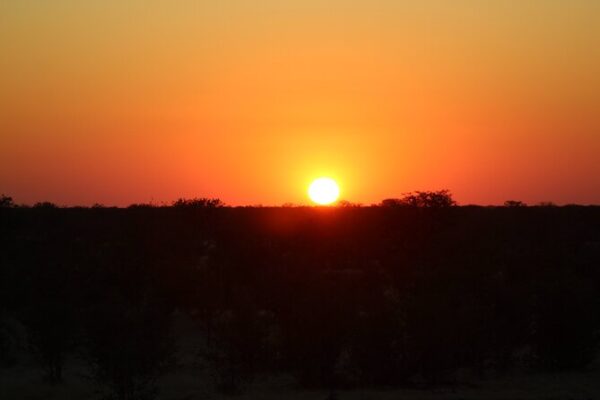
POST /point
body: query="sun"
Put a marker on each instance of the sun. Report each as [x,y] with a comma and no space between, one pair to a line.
[324,191]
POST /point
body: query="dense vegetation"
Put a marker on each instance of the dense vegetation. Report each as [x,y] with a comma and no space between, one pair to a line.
[337,297]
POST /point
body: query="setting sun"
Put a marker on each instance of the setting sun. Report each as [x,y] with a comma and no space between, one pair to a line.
[324,191]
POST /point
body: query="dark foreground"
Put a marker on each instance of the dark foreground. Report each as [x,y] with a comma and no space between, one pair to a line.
[363,303]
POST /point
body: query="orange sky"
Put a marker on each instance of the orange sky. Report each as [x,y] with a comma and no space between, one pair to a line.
[121,102]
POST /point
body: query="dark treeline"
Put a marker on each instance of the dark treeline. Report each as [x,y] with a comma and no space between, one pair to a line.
[336,297]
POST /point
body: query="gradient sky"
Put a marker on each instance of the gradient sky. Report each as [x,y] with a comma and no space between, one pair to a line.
[135,101]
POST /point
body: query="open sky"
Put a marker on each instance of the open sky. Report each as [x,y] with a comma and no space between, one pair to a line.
[119,102]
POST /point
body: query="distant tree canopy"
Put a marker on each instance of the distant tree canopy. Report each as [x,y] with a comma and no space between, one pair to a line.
[45,204]
[427,199]
[359,297]
[6,201]
[141,206]
[514,203]
[198,203]
[347,203]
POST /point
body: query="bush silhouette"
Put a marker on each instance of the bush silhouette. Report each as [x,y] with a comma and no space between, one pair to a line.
[514,203]
[198,203]
[233,354]
[428,199]
[6,201]
[45,205]
[407,293]
[128,347]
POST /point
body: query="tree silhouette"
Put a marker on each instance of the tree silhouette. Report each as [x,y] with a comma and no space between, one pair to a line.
[427,199]
[392,203]
[128,347]
[347,204]
[198,203]
[514,203]
[406,293]
[45,205]
[6,201]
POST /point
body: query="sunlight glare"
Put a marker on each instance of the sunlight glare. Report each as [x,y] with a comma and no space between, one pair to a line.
[324,191]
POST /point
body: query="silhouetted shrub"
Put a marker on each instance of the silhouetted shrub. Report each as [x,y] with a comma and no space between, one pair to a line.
[391,203]
[566,323]
[8,343]
[198,203]
[6,201]
[50,311]
[128,347]
[435,199]
[51,331]
[514,203]
[377,343]
[45,205]
[430,199]
[347,204]
[143,206]
[238,349]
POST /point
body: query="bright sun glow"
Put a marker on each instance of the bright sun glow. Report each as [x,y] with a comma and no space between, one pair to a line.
[324,191]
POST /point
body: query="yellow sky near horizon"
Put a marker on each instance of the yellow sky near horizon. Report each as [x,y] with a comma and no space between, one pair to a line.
[121,102]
